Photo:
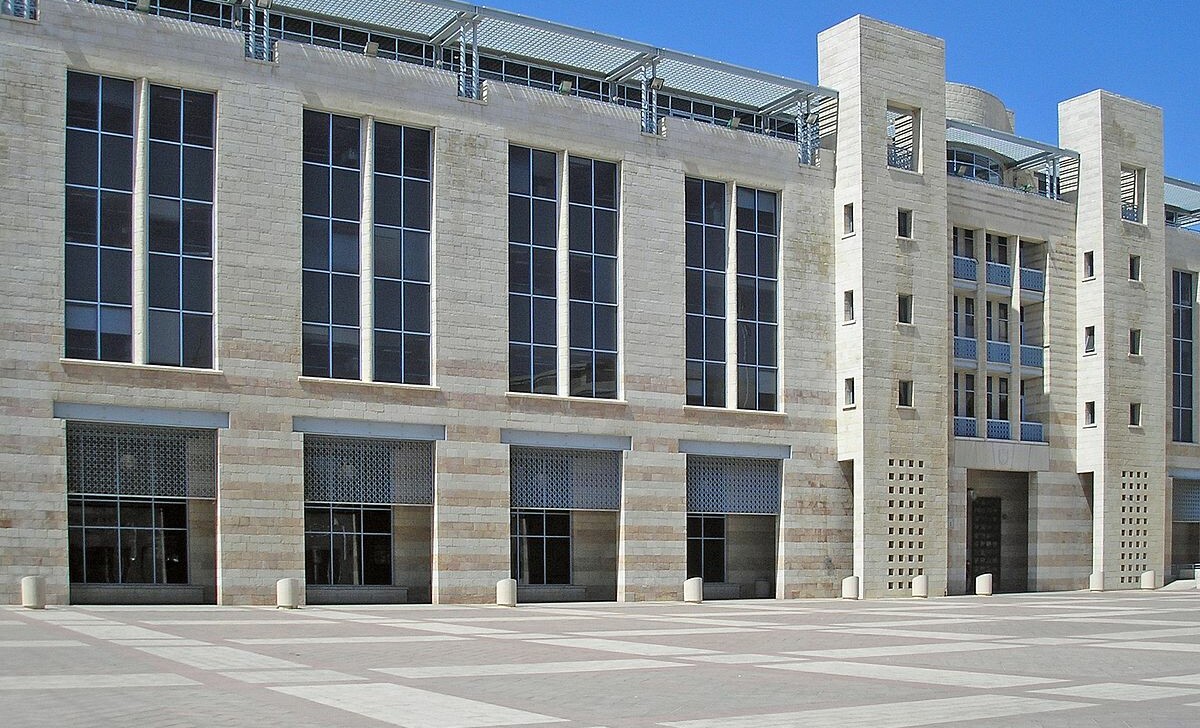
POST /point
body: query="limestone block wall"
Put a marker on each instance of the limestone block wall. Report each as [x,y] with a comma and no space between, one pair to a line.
[974,105]
[257,378]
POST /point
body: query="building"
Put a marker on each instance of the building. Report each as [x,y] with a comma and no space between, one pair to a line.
[409,299]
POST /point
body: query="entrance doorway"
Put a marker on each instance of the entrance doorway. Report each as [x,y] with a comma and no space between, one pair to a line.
[984,554]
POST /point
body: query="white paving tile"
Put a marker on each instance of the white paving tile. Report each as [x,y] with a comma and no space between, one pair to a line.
[629,648]
[175,642]
[851,653]
[1193,679]
[918,634]
[412,707]
[447,628]
[1119,691]
[927,675]
[668,631]
[893,714]
[282,677]
[281,622]
[346,640]
[747,659]
[76,682]
[1050,641]
[1150,634]
[218,658]
[526,668]
[1153,646]
[117,632]
[10,644]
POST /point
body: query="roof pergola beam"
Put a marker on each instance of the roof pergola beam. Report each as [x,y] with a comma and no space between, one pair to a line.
[631,68]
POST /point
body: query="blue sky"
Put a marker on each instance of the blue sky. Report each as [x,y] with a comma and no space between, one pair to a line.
[1030,54]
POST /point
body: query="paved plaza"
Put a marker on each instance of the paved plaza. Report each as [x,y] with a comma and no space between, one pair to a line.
[1067,659]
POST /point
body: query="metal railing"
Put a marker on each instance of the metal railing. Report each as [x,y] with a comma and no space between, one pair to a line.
[900,157]
[1033,280]
[999,352]
[1032,356]
[999,274]
[1033,432]
[1131,211]
[999,430]
[966,427]
[964,268]
[27,9]
[966,348]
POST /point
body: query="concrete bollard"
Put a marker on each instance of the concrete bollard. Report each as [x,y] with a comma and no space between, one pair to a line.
[33,592]
[693,590]
[921,587]
[1148,579]
[850,587]
[289,593]
[762,589]
[1096,581]
[983,585]
[506,592]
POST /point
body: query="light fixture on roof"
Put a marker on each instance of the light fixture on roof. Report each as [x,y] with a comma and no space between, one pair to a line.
[811,118]
[564,87]
[735,122]
[263,4]
[372,48]
[656,83]
[143,6]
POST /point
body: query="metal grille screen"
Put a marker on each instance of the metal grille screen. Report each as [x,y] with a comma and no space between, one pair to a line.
[360,470]
[1186,501]
[732,485]
[141,461]
[571,479]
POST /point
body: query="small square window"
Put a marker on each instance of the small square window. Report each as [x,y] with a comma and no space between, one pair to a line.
[1089,264]
[904,223]
[848,306]
[848,218]
[1135,267]
[904,393]
[1135,342]
[848,394]
[1135,414]
[1089,413]
[1089,339]
[904,309]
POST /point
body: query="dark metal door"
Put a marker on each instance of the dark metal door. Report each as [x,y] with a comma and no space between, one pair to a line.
[985,539]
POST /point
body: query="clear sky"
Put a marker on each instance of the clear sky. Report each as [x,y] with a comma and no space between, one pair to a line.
[1030,54]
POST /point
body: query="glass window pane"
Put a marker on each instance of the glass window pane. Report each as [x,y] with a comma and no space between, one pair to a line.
[389,353]
[316,243]
[545,269]
[198,174]
[198,118]
[197,285]
[519,220]
[389,300]
[545,317]
[344,194]
[317,554]
[344,300]
[116,276]
[545,370]
[83,100]
[116,113]
[164,226]
[164,338]
[520,320]
[519,170]
[579,180]
[135,514]
[416,307]
[388,247]
[163,281]
[81,215]
[100,550]
[197,340]
[137,556]
[558,561]
[344,354]
[316,190]
[172,559]
[80,273]
[81,341]
[377,560]
[605,236]
[545,174]
[545,223]
[316,137]
[606,375]
[389,198]
[606,328]
[165,108]
[416,204]
[116,219]
[388,149]
[315,297]
[315,350]
[605,184]
[344,247]
[82,158]
[416,153]
[197,228]
[344,144]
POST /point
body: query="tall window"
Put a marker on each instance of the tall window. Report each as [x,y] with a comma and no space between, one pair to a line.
[964,394]
[757,278]
[997,321]
[181,227]
[401,254]
[532,264]
[704,206]
[997,398]
[592,269]
[1182,368]
[964,242]
[997,248]
[964,317]
[706,548]
[541,546]
[99,218]
[330,245]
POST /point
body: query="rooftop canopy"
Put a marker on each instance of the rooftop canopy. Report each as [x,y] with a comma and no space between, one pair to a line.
[1182,200]
[608,57]
[1023,153]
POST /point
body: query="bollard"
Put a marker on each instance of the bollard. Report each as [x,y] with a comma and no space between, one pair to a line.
[762,589]
[289,593]
[850,587]
[983,585]
[33,592]
[693,590]
[1096,581]
[920,587]
[506,593]
[1148,579]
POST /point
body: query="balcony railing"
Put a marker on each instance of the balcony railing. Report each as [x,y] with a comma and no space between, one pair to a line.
[1131,211]
[966,427]
[1032,432]
[1033,280]
[27,9]
[999,352]
[900,157]
[964,268]
[999,430]
[999,274]
[1032,356]
[965,348]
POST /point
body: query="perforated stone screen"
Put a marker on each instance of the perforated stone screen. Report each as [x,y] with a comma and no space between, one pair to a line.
[733,485]
[562,478]
[131,460]
[363,470]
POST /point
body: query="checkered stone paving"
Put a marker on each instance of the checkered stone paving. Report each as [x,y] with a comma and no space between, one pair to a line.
[1064,659]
